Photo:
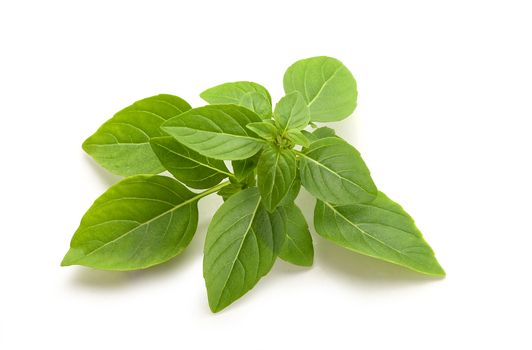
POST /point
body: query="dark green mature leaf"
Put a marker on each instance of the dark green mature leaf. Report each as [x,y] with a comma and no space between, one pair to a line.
[293,192]
[332,170]
[275,173]
[327,86]
[291,112]
[188,166]
[229,191]
[243,168]
[217,131]
[122,144]
[297,247]
[139,222]
[381,229]
[239,248]
[243,93]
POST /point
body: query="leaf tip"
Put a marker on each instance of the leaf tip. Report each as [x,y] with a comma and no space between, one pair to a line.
[85,146]
[204,95]
[215,306]
[307,263]
[434,269]
[214,310]
[71,257]
[439,271]
[65,262]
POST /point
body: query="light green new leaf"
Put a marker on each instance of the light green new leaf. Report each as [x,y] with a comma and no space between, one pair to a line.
[323,132]
[310,136]
[217,131]
[188,166]
[291,112]
[264,129]
[332,170]
[297,137]
[243,93]
[257,102]
[233,92]
[381,229]
[139,222]
[297,247]
[328,87]
[275,173]
[239,248]
[319,133]
[122,144]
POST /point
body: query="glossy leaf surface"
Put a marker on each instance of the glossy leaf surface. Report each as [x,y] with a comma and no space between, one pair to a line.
[239,248]
[332,170]
[217,131]
[139,222]
[122,144]
[327,86]
[380,229]
[275,173]
[188,166]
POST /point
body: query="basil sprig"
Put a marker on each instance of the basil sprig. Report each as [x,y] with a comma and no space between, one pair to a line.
[148,218]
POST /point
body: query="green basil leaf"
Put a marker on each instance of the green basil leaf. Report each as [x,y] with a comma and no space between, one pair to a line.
[319,133]
[229,191]
[217,131]
[233,92]
[310,136]
[380,229]
[139,222]
[266,130]
[239,248]
[291,112]
[297,246]
[332,170]
[293,192]
[297,137]
[188,166]
[275,173]
[323,132]
[257,102]
[277,222]
[328,87]
[122,144]
[243,168]
[243,93]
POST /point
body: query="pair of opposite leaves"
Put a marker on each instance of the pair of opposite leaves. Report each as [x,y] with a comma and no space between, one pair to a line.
[145,220]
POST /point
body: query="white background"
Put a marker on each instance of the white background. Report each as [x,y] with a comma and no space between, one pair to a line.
[443,122]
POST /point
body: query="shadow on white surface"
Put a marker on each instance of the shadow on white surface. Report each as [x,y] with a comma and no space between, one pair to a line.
[348,266]
[100,279]
[363,269]
[360,270]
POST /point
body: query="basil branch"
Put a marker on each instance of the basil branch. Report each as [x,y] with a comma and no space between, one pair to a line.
[148,218]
